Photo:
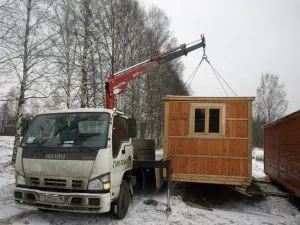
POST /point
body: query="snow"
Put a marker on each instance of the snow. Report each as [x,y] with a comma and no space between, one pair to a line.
[258,154]
[235,210]
[258,164]
[79,110]
[159,154]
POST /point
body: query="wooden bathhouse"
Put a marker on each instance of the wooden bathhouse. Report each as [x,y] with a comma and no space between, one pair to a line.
[209,139]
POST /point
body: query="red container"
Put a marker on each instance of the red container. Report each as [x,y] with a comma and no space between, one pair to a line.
[282,151]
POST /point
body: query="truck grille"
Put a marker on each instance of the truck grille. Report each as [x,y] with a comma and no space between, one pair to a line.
[76,183]
[56,183]
[35,181]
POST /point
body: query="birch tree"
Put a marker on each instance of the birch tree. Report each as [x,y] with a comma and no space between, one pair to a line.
[60,54]
[26,52]
[5,24]
[270,104]
[65,56]
[161,81]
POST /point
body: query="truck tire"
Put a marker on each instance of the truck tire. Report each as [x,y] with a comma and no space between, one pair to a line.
[122,204]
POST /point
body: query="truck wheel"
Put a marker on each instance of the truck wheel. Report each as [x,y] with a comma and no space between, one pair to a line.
[122,204]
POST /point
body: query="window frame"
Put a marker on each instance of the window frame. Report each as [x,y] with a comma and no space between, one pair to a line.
[207,107]
[116,152]
[57,130]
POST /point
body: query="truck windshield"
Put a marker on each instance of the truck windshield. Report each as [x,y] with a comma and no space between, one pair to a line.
[68,130]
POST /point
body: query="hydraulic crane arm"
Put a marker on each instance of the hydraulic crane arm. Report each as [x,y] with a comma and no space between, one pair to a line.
[117,82]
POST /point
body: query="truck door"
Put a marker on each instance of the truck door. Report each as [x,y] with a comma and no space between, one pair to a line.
[121,150]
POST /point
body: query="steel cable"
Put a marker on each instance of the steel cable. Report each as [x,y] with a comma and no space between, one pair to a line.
[220,82]
[217,74]
[193,74]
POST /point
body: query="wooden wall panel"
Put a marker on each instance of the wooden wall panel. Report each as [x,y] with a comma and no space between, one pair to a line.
[282,152]
[178,110]
[236,128]
[288,133]
[209,147]
[270,139]
[271,151]
[289,151]
[178,123]
[178,127]
[237,109]
[209,166]
[238,147]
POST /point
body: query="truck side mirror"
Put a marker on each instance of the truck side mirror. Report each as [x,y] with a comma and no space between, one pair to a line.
[26,121]
[131,125]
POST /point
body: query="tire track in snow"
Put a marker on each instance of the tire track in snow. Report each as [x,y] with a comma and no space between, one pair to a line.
[16,218]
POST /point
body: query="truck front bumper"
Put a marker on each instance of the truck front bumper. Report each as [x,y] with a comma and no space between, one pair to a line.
[75,201]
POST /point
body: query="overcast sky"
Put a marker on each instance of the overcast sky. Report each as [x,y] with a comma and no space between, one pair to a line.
[244,39]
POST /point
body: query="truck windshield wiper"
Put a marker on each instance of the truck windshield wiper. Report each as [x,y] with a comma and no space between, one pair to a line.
[41,142]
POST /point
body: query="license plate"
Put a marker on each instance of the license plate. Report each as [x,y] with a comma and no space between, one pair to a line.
[52,198]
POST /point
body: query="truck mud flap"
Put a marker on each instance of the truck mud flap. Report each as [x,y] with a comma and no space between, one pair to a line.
[159,179]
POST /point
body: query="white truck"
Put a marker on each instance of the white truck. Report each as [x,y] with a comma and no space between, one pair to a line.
[77,160]
[83,159]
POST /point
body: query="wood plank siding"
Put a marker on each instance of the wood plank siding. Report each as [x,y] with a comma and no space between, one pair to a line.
[222,158]
[282,151]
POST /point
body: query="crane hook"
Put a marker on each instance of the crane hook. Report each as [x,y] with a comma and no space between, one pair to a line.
[204,57]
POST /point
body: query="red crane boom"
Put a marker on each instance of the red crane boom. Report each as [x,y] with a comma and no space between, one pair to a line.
[117,82]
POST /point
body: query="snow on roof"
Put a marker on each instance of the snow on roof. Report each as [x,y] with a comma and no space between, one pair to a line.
[80,110]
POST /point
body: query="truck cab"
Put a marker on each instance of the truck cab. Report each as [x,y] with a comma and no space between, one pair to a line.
[77,160]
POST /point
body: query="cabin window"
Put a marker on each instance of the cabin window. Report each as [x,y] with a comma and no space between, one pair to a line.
[199,120]
[119,134]
[214,121]
[207,119]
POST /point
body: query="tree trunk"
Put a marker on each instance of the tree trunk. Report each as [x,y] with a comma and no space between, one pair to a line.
[84,67]
[21,100]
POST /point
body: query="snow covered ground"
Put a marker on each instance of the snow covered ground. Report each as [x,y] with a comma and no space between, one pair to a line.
[258,164]
[237,210]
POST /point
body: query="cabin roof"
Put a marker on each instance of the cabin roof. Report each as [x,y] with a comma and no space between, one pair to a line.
[297,113]
[196,98]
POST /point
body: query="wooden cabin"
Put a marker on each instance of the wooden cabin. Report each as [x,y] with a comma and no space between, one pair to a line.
[209,139]
[282,151]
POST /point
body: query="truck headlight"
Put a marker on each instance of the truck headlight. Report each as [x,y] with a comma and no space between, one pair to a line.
[20,180]
[95,185]
[101,183]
